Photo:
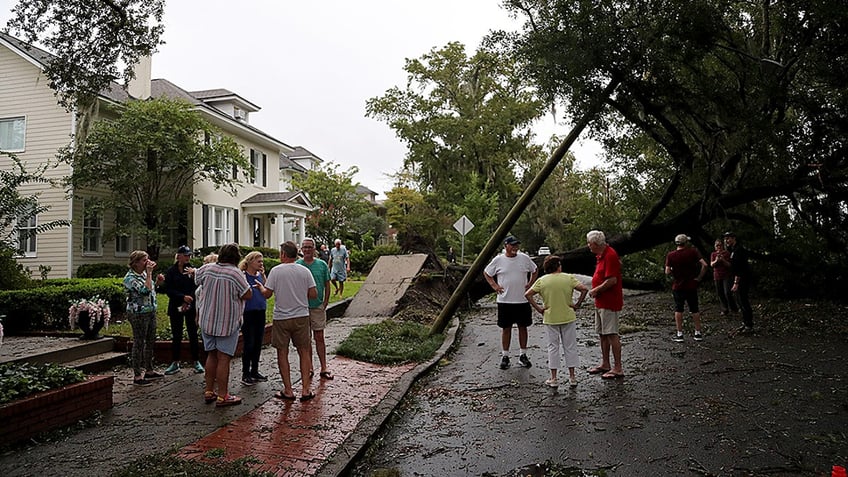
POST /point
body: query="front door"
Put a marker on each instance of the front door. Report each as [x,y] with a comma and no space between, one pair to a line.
[257,232]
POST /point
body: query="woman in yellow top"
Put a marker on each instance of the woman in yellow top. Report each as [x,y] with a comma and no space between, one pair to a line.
[557,292]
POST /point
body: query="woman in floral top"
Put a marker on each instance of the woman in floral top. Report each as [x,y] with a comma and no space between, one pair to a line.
[141,311]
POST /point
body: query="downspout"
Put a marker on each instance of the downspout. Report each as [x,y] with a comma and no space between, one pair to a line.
[70,251]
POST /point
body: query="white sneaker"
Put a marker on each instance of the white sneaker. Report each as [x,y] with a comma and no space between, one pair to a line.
[572,382]
[552,382]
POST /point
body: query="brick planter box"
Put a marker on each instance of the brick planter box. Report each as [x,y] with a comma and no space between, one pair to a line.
[56,408]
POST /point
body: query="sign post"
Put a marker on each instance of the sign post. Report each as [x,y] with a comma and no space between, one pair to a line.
[463,226]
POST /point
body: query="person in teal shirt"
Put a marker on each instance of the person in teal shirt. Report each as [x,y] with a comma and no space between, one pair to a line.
[560,320]
[318,306]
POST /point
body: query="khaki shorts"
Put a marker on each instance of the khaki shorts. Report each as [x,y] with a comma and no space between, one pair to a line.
[317,319]
[606,321]
[294,330]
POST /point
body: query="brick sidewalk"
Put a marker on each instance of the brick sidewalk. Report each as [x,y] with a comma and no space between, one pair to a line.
[293,438]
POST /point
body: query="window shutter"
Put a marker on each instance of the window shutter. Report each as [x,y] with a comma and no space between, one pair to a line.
[264,170]
[205,225]
[235,226]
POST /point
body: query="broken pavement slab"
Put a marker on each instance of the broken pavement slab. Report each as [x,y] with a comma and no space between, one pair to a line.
[389,279]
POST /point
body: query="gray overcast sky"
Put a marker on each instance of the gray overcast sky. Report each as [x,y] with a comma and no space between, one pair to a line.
[311,66]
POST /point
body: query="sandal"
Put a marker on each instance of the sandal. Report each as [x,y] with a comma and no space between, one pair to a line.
[307,397]
[282,395]
[209,396]
[326,375]
[230,400]
[598,370]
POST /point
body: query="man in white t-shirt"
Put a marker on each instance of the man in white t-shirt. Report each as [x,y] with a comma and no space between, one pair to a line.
[510,275]
[292,286]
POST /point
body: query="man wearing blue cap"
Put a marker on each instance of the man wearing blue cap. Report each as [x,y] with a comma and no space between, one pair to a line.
[180,287]
[510,274]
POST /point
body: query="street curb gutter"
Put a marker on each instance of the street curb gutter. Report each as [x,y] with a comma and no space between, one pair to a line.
[358,441]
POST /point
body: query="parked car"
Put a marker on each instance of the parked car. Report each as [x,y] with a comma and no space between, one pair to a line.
[544,251]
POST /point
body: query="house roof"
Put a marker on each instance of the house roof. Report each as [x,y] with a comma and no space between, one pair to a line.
[270,197]
[362,190]
[162,88]
[286,163]
[278,197]
[301,152]
[221,94]
[41,58]
[288,160]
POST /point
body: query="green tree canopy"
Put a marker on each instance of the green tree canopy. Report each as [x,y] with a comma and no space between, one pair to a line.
[726,112]
[91,40]
[415,217]
[333,193]
[149,159]
[461,117]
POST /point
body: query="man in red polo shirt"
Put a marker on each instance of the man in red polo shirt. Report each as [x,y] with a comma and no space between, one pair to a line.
[687,268]
[609,299]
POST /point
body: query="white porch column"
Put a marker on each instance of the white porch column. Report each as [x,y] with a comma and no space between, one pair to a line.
[273,231]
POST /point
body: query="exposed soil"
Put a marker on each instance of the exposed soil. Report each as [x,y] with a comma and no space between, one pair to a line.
[771,403]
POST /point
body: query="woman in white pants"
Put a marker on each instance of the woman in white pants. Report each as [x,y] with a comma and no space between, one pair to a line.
[557,308]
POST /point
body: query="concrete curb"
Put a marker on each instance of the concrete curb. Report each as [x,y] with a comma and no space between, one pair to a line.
[358,441]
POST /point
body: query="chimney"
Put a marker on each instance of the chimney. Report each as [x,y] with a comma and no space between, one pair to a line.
[139,87]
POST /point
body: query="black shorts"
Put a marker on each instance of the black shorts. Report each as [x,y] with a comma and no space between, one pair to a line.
[682,297]
[514,314]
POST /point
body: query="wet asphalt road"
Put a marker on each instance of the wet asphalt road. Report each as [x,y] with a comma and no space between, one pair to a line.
[752,405]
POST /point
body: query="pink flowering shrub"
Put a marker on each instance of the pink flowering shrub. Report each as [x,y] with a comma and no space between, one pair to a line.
[96,307]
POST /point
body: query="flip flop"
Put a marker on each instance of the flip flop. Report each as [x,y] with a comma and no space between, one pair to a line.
[209,397]
[230,400]
[598,370]
[282,395]
[326,375]
[611,375]
[307,397]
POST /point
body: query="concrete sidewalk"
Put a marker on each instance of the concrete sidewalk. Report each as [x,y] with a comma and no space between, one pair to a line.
[317,437]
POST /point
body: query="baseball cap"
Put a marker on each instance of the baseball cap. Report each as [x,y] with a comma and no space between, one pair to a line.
[184,250]
[681,239]
[729,234]
[511,240]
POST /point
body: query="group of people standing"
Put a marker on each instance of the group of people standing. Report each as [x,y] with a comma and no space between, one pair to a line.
[731,275]
[513,275]
[228,295]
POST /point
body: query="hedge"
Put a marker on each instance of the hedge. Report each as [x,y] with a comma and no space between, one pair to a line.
[363,261]
[45,307]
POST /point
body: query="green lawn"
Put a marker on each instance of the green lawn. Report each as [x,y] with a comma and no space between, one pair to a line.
[163,323]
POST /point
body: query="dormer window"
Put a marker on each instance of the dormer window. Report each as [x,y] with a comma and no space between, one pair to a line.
[239,114]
